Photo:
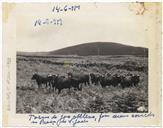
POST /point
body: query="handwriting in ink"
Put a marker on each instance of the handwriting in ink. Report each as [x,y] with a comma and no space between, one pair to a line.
[73,120]
[120,116]
[44,121]
[34,117]
[80,118]
[65,8]
[47,21]
[142,115]
[8,87]
[101,116]
[62,119]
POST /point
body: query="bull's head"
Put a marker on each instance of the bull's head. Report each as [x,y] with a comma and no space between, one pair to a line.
[34,76]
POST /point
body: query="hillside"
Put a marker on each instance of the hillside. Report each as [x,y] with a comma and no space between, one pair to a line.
[96,48]
[100,48]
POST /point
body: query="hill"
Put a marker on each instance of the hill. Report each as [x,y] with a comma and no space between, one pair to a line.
[101,48]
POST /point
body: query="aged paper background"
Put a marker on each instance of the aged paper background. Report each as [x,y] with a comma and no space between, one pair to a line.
[18,35]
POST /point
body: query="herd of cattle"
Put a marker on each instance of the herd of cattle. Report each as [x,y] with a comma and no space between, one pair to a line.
[72,80]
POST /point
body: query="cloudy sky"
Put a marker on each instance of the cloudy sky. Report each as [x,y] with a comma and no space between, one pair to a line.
[126,23]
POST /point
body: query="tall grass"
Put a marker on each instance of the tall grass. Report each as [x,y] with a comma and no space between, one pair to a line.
[92,98]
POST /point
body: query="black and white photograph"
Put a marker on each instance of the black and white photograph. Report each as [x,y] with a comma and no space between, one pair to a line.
[86,58]
[91,77]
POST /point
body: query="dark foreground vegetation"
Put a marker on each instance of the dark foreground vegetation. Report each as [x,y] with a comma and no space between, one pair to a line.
[70,84]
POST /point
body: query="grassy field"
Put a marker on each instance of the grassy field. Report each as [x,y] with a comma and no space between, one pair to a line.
[93,98]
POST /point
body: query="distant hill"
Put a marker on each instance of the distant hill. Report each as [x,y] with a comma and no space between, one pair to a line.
[100,48]
[89,49]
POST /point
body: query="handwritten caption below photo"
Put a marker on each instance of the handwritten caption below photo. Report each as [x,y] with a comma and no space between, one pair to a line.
[74,120]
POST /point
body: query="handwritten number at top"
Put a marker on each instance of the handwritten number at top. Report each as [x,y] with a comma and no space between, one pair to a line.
[65,8]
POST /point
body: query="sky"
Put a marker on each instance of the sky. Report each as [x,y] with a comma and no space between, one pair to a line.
[127,23]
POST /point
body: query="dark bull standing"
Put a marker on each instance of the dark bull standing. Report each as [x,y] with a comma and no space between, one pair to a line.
[42,80]
[82,78]
[65,83]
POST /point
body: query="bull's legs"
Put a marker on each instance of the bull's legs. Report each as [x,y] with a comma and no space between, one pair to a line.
[122,86]
[39,86]
[103,86]
[80,87]
[69,90]
[51,85]
[59,91]
[53,88]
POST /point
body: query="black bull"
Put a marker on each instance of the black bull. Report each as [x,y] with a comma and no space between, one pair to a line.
[66,83]
[82,78]
[42,80]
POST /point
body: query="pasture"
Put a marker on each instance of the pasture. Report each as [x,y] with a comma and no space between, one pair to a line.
[92,98]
